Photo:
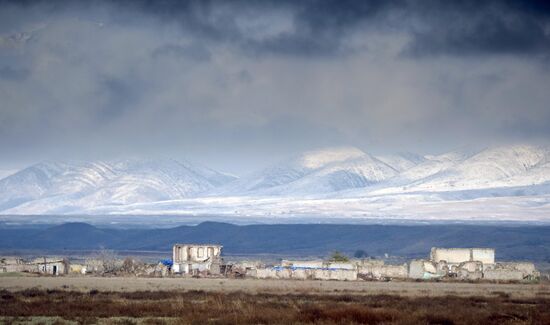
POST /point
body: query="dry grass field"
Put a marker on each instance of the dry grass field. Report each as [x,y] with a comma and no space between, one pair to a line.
[201,307]
[58,300]
[407,288]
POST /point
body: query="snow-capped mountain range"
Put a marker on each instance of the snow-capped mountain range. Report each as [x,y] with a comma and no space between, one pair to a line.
[64,187]
[499,183]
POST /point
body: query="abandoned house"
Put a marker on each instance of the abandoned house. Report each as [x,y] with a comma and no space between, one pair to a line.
[196,258]
[53,266]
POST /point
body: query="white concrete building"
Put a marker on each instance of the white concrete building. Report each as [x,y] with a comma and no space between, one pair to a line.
[194,258]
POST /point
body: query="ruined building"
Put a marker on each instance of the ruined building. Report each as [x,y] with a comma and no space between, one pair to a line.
[53,266]
[196,258]
[469,264]
[43,265]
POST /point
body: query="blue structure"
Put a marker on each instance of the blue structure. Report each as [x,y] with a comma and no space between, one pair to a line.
[167,262]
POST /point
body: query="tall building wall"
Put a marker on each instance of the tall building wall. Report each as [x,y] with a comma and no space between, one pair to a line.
[459,255]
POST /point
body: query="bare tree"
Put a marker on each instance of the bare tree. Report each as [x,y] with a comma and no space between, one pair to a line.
[108,259]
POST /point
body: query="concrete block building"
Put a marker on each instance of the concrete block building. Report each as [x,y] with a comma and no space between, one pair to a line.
[195,258]
[470,264]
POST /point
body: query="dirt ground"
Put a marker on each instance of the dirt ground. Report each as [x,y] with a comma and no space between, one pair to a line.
[409,289]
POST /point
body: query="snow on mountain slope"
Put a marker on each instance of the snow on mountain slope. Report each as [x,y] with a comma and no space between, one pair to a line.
[30,183]
[402,161]
[421,172]
[433,165]
[6,172]
[290,170]
[492,167]
[401,207]
[59,184]
[354,173]
[315,172]
[540,174]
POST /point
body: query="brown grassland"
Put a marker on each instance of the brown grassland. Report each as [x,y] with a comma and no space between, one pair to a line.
[204,307]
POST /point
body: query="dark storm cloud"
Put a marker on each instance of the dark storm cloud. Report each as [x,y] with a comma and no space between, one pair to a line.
[245,79]
[481,27]
[321,27]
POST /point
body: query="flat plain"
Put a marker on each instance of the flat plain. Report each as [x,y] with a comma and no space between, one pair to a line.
[402,288]
[131,300]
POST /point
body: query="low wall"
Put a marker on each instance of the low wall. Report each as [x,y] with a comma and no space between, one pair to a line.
[383,271]
[511,271]
[297,263]
[502,274]
[319,264]
[12,268]
[306,273]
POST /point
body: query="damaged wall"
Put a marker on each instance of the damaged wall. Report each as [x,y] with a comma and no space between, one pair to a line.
[376,269]
[306,273]
[506,271]
[320,264]
[12,264]
[424,269]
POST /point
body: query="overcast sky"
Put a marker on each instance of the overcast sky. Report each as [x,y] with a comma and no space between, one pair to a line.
[239,84]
